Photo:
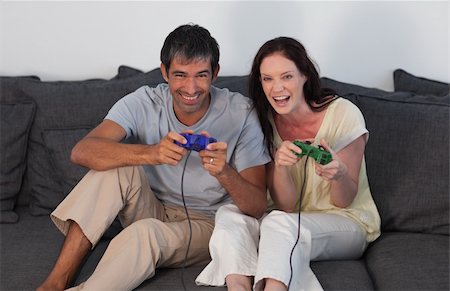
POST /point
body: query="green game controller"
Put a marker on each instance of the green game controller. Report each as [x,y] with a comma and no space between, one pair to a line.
[320,155]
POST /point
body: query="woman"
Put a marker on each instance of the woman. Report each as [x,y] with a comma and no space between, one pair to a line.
[338,216]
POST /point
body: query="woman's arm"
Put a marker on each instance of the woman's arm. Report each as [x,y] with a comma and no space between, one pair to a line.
[279,180]
[343,171]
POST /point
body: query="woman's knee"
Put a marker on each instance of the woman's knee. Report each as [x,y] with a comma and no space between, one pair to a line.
[278,219]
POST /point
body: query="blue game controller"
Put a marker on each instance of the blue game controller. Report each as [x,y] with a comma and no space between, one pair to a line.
[196,142]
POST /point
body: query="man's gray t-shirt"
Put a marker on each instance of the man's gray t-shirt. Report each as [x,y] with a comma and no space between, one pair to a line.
[147,115]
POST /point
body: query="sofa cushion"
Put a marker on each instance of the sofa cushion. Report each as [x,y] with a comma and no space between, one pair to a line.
[344,89]
[30,248]
[342,275]
[233,83]
[15,120]
[66,105]
[124,72]
[16,116]
[407,161]
[404,81]
[59,144]
[347,89]
[409,261]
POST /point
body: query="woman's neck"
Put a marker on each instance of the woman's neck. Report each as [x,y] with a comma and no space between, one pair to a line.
[302,124]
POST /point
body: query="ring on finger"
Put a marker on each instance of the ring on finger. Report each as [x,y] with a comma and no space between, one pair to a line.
[211,161]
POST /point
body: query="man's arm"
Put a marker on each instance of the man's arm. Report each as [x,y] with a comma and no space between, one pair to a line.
[101,149]
[247,188]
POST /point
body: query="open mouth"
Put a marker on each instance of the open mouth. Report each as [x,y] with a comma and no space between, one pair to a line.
[281,100]
[190,99]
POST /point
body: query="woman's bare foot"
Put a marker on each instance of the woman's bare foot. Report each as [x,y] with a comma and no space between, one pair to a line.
[237,282]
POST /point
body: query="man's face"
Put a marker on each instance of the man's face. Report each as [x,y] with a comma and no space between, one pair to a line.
[189,84]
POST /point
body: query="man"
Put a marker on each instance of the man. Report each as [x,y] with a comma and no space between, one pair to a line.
[146,184]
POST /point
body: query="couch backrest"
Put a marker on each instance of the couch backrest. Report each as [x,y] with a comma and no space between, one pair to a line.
[408,162]
[407,156]
[66,111]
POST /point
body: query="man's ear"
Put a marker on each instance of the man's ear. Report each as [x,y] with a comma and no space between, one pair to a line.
[216,73]
[164,72]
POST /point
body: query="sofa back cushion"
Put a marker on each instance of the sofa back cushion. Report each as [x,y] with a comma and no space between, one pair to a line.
[346,89]
[233,83]
[407,155]
[16,117]
[404,81]
[66,110]
[407,158]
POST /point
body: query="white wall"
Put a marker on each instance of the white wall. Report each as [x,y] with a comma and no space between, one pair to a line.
[358,42]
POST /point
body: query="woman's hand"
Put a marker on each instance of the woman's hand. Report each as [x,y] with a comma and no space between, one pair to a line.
[284,155]
[334,170]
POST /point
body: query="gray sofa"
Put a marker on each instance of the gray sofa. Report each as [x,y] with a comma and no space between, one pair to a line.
[407,162]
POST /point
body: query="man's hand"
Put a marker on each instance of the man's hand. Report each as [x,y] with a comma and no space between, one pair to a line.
[214,157]
[167,152]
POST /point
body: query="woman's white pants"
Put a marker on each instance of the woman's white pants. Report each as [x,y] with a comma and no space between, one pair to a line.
[241,244]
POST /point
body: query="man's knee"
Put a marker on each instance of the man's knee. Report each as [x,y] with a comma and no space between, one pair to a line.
[152,232]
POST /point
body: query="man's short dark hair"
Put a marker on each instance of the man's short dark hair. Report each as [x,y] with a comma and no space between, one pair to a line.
[190,42]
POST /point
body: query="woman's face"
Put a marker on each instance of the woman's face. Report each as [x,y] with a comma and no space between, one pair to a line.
[282,83]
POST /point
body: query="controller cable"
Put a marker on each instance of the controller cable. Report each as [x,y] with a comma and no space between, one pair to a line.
[300,196]
[189,221]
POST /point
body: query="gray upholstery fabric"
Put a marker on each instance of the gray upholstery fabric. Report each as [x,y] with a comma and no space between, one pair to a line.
[233,83]
[28,251]
[342,275]
[15,123]
[350,91]
[59,144]
[16,116]
[344,89]
[399,186]
[67,105]
[407,158]
[127,72]
[404,81]
[422,259]
[408,167]
[30,247]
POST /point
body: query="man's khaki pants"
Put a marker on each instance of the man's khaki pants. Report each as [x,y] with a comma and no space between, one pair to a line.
[154,235]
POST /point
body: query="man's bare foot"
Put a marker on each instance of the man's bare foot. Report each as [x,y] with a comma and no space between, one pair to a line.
[74,250]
